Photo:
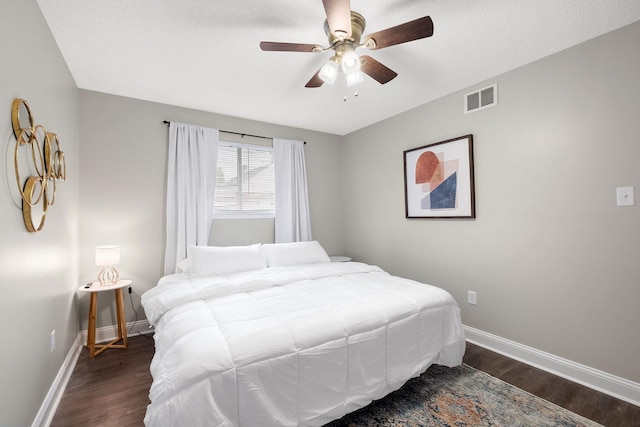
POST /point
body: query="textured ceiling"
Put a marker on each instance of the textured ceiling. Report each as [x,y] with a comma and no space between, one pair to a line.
[205,54]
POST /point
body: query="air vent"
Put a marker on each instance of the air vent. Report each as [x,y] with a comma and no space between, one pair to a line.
[481,99]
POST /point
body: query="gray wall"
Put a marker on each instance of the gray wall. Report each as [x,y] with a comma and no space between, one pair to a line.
[38,271]
[122,191]
[553,260]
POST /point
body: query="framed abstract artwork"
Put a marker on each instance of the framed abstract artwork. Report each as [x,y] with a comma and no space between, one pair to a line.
[438,180]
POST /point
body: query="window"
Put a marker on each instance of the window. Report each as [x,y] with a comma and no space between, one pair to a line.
[245,182]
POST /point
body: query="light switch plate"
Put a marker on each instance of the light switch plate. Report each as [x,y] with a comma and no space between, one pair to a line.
[625,196]
[472,297]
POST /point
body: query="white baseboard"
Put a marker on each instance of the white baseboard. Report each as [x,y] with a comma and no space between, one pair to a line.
[604,382]
[52,400]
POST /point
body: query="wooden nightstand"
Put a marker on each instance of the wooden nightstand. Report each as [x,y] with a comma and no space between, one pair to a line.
[94,289]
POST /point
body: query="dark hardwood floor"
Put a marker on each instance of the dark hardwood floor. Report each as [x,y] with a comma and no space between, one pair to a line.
[110,390]
[596,406]
[113,388]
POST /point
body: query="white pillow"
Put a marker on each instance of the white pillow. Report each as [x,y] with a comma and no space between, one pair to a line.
[213,260]
[280,254]
[184,266]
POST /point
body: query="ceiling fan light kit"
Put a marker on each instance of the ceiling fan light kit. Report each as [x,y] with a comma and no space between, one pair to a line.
[350,62]
[329,71]
[344,29]
[353,78]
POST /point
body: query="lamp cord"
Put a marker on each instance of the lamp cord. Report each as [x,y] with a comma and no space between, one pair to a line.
[136,317]
[134,310]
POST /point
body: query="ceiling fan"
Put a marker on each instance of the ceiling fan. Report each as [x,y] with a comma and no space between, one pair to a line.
[344,29]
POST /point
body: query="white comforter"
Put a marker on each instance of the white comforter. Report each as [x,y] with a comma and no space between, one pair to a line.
[289,346]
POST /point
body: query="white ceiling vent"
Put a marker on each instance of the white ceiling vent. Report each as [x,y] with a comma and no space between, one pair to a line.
[481,99]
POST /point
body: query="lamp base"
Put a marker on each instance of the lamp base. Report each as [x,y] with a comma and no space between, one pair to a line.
[108,276]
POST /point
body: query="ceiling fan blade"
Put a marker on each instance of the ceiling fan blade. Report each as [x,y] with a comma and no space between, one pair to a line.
[315,81]
[288,47]
[409,31]
[338,16]
[374,69]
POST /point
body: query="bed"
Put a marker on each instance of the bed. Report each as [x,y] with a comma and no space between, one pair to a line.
[277,335]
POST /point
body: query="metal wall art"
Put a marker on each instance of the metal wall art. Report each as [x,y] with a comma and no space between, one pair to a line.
[37,154]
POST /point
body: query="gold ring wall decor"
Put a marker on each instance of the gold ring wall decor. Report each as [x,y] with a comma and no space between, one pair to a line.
[38,154]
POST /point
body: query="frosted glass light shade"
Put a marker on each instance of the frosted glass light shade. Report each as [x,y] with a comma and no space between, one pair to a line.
[107,255]
[329,71]
[350,62]
[353,78]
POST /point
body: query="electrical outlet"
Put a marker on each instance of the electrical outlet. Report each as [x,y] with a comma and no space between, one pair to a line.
[472,297]
[625,196]
[53,340]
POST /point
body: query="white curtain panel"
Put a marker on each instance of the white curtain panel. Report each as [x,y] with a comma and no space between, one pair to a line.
[191,186]
[293,221]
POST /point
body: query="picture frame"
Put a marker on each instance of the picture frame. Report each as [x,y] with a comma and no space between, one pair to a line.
[438,180]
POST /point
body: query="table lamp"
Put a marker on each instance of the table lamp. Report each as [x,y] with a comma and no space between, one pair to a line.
[107,257]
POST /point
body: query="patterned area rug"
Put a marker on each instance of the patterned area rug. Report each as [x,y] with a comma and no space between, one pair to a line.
[460,396]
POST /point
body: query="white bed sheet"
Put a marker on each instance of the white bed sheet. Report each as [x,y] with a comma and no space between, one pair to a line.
[288,346]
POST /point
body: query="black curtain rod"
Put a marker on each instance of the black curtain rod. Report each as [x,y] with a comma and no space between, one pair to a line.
[166,122]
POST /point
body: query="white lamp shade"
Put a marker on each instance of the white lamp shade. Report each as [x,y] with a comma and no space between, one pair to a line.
[329,71]
[350,62]
[107,255]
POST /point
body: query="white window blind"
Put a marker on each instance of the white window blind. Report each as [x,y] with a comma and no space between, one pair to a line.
[245,183]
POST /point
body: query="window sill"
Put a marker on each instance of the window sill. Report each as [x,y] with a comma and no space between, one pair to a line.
[245,215]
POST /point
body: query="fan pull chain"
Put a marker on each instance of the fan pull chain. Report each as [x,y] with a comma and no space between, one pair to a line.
[355,95]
